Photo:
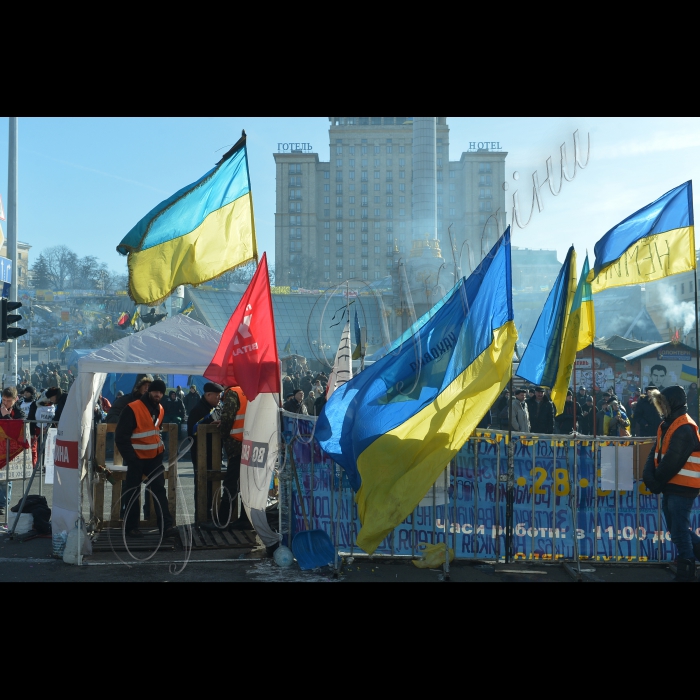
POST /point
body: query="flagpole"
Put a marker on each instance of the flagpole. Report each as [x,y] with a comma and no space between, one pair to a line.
[510,483]
[595,386]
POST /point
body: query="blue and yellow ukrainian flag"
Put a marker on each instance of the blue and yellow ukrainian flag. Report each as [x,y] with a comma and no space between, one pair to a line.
[689,374]
[395,426]
[65,344]
[539,363]
[199,233]
[189,309]
[578,335]
[655,242]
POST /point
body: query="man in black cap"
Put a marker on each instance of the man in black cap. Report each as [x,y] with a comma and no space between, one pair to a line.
[204,413]
[295,403]
[673,468]
[138,438]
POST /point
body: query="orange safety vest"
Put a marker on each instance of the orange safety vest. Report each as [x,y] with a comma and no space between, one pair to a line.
[237,428]
[146,439]
[689,475]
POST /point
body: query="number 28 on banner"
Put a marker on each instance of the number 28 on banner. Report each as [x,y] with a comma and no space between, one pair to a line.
[254,454]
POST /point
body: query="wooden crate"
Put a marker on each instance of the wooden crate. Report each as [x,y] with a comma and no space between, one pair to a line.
[112,519]
[112,540]
[203,539]
[205,475]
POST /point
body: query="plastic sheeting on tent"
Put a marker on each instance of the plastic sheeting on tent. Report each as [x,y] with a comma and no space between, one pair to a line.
[179,345]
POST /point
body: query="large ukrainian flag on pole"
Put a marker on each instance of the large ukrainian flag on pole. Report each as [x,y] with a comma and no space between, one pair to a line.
[199,233]
[541,360]
[395,426]
[578,335]
[655,242]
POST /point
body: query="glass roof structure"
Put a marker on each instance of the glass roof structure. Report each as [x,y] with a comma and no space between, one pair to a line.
[305,324]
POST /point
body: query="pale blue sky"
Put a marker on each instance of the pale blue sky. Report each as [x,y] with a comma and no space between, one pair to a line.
[85,182]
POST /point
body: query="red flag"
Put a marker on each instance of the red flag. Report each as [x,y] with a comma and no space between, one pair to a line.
[12,430]
[247,354]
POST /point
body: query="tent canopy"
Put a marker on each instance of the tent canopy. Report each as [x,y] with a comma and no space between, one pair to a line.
[179,345]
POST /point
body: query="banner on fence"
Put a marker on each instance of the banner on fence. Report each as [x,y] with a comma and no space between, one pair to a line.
[555,501]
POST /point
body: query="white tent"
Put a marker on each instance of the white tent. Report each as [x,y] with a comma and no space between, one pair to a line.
[179,345]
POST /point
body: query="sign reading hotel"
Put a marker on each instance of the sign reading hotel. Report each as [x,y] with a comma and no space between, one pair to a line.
[485,145]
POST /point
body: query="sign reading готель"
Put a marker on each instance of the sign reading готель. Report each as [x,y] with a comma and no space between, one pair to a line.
[293,147]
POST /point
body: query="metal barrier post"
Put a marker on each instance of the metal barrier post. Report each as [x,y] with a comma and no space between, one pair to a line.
[447,530]
[454,505]
[595,500]
[510,498]
[616,532]
[8,483]
[475,490]
[497,502]
[532,525]
[637,494]
[554,500]
[661,530]
[575,493]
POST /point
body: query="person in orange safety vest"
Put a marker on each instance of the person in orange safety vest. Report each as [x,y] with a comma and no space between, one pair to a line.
[673,468]
[139,440]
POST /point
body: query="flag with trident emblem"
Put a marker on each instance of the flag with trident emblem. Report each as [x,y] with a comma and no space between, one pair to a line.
[247,354]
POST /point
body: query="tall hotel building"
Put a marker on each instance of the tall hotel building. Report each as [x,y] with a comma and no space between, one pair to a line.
[346,218]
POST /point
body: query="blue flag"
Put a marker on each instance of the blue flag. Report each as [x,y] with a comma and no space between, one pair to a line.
[395,426]
[540,361]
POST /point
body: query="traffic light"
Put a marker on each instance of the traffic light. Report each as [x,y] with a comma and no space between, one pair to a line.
[7,319]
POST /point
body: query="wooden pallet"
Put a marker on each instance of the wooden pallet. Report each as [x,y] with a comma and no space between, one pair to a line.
[223,539]
[111,539]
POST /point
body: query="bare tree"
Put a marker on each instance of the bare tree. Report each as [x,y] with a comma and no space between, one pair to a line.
[59,263]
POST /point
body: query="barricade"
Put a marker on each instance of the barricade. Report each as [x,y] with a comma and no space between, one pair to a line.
[205,475]
[558,482]
[112,518]
[20,468]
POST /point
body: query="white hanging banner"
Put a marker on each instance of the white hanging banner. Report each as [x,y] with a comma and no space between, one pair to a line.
[259,452]
[49,448]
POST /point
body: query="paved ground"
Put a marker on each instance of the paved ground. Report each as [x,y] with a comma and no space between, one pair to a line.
[31,561]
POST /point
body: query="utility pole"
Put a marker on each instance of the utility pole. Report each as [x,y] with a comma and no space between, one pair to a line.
[11,352]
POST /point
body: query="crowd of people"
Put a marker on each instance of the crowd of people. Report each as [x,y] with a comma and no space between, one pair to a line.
[304,392]
[43,376]
[588,412]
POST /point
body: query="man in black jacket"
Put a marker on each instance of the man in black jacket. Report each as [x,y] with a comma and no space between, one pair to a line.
[668,470]
[646,417]
[541,410]
[191,399]
[133,429]
[204,413]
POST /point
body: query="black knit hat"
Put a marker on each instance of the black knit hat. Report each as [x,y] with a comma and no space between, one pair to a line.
[157,385]
[212,388]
